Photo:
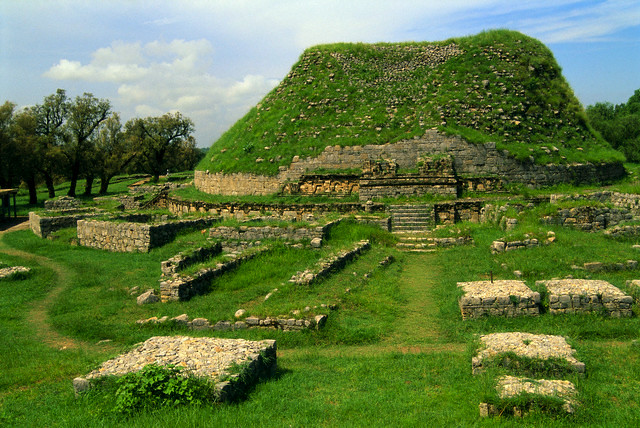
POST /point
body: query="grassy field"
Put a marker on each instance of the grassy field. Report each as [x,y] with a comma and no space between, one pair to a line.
[394,351]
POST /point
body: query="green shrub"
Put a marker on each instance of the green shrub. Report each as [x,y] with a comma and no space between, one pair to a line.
[156,386]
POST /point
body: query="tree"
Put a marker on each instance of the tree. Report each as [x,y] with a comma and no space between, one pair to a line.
[159,140]
[50,117]
[619,125]
[26,144]
[86,114]
[8,161]
[113,153]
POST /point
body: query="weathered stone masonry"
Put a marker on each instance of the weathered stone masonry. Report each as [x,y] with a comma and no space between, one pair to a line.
[132,237]
[469,160]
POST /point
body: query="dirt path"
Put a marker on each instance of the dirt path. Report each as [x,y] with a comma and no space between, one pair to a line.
[37,314]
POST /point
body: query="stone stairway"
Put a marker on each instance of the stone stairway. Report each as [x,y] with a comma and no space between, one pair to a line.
[411,224]
[411,218]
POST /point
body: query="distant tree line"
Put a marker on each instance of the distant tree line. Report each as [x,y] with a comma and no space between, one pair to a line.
[84,138]
[619,125]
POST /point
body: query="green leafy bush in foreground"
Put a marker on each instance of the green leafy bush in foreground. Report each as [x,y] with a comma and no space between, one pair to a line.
[156,386]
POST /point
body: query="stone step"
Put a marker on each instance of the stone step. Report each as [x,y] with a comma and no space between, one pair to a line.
[411,228]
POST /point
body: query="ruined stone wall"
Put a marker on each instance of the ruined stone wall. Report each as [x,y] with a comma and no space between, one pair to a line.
[628,201]
[43,226]
[132,237]
[588,218]
[241,211]
[393,187]
[257,233]
[469,160]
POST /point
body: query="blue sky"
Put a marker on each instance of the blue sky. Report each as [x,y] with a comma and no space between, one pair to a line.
[213,60]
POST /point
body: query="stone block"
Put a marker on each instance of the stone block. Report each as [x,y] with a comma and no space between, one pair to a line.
[498,298]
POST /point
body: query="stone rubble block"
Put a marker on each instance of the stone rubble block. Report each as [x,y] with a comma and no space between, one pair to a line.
[568,296]
[507,298]
[511,387]
[207,357]
[533,346]
[10,271]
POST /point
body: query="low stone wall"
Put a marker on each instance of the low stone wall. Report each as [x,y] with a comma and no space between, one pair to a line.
[181,288]
[269,323]
[297,212]
[383,223]
[500,246]
[568,296]
[628,201]
[62,203]
[325,266]
[132,237]
[498,298]
[622,231]
[588,218]
[181,261]
[43,226]
[258,233]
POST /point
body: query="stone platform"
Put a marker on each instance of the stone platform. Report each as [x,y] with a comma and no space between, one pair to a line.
[200,356]
[498,298]
[585,296]
[510,387]
[497,346]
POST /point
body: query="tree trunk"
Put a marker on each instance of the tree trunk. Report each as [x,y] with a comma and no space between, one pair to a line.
[75,172]
[48,179]
[104,184]
[33,191]
[88,185]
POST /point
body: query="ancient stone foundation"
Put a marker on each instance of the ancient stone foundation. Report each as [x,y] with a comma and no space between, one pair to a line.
[182,260]
[133,237]
[569,296]
[469,160]
[181,288]
[205,357]
[498,298]
[326,266]
[44,226]
[496,347]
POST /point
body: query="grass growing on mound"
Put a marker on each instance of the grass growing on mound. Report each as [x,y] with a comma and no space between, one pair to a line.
[499,86]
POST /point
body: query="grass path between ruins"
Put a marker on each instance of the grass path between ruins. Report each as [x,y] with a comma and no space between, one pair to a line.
[38,312]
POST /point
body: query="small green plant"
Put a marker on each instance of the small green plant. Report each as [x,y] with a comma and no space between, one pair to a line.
[156,386]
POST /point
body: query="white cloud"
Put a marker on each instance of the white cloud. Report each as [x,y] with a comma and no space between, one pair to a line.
[160,77]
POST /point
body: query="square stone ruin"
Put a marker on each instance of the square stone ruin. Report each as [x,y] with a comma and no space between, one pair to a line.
[568,296]
[508,298]
[206,357]
[511,386]
[542,347]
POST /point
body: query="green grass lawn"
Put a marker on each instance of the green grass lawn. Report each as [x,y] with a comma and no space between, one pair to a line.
[395,351]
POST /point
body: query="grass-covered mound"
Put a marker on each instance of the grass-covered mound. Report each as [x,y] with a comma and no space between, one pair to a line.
[499,86]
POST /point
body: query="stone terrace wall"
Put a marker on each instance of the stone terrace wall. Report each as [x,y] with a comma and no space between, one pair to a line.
[181,288]
[284,211]
[44,226]
[589,218]
[181,261]
[628,201]
[132,237]
[257,233]
[469,159]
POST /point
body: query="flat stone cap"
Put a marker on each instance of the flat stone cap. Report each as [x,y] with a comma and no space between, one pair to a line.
[589,287]
[200,356]
[535,346]
[499,288]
